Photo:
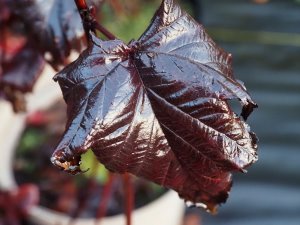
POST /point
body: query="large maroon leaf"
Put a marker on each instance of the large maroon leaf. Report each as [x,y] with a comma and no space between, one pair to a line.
[157,108]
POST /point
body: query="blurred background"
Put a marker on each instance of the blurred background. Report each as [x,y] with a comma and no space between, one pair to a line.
[264,38]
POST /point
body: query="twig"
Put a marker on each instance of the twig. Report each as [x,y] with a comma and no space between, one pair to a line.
[129,197]
[89,191]
[89,22]
[105,196]
[81,4]
[104,31]
[83,200]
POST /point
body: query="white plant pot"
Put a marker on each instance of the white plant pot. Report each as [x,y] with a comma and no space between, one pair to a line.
[166,210]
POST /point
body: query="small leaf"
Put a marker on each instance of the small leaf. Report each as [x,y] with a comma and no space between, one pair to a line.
[17,75]
[157,108]
[40,29]
[14,69]
[54,25]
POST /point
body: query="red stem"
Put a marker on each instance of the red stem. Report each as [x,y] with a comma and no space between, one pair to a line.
[89,21]
[83,201]
[3,44]
[90,189]
[81,5]
[129,197]
[106,194]
[104,31]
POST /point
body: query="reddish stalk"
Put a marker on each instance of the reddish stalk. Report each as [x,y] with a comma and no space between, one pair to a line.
[89,21]
[106,195]
[83,200]
[3,45]
[90,189]
[81,4]
[104,31]
[129,197]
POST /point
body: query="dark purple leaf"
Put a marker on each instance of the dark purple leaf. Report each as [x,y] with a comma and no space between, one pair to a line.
[14,70]
[54,25]
[50,28]
[17,75]
[157,108]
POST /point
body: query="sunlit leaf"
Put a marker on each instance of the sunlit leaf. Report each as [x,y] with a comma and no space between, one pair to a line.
[157,108]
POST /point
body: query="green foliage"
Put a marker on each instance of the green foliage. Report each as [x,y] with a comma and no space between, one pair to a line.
[93,168]
[31,140]
[129,26]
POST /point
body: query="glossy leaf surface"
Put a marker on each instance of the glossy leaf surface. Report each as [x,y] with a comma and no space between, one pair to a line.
[157,108]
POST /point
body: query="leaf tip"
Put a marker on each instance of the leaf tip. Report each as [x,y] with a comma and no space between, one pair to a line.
[209,207]
[68,164]
[248,109]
